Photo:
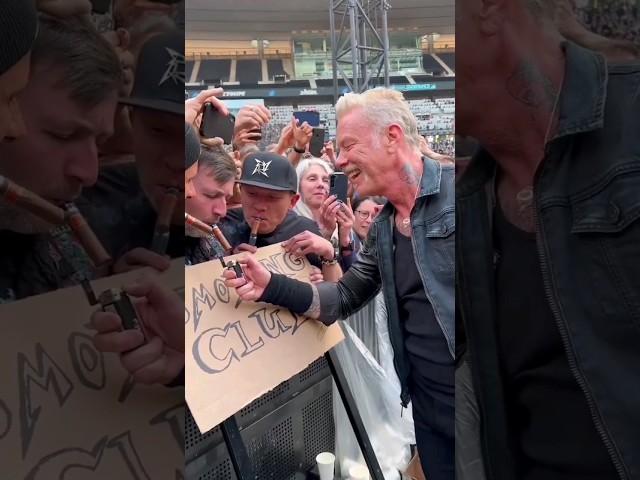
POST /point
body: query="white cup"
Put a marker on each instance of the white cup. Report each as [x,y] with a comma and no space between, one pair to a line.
[358,472]
[326,464]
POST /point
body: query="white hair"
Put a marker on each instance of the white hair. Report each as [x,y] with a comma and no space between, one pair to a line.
[382,107]
[301,207]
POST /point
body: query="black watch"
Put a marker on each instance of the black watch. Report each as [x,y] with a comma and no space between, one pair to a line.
[348,248]
[298,151]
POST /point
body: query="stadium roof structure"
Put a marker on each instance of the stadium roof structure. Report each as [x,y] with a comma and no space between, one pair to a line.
[277,19]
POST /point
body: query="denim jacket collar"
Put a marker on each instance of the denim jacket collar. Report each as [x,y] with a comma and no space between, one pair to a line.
[581,109]
[431,177]
[584,91]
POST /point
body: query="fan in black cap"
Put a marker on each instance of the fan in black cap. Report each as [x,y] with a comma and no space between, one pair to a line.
[270,171]
[160,77]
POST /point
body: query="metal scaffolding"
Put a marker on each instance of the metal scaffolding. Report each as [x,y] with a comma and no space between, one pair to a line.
[359,39]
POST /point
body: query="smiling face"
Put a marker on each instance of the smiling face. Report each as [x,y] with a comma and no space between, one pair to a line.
[362,157]
[314,186]
[271,206]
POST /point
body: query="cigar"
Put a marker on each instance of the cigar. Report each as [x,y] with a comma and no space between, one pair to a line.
[254,233]
[12,193]
[223,241]
[198,224]
[163,223]
[85,235]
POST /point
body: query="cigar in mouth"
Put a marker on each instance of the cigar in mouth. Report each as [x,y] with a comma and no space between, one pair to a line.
[254,232]
[163,223]
[14,194]
[198,224]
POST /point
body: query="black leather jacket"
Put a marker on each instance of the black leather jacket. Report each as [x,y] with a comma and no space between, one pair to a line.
[587,200]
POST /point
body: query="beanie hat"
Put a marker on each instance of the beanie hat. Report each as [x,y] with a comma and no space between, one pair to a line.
[191,146]
[18,30]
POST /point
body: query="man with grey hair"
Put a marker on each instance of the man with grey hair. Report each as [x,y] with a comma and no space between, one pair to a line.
[547,223]
[409,253]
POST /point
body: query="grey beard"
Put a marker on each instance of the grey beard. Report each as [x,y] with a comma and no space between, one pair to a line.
[20,221]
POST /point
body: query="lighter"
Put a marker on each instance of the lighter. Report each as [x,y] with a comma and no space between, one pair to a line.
[115,301]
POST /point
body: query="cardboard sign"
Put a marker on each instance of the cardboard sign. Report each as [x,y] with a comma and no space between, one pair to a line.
[236,351]
[69,411]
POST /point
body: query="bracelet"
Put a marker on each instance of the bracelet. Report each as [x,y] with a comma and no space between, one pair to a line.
[298,151]
[328,262]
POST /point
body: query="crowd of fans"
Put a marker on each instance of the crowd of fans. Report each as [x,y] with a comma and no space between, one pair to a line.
[613,19]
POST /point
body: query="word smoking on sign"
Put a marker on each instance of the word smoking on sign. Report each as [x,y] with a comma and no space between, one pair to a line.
[228,340]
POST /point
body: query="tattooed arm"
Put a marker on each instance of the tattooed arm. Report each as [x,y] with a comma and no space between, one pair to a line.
[326,301]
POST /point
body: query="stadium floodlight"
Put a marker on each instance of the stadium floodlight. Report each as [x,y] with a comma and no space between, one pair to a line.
[361,40]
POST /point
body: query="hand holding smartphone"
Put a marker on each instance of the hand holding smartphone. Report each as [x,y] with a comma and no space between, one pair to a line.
[214,124]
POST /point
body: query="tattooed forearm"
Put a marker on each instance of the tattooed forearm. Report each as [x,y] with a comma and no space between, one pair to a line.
[314,308]
[530,86]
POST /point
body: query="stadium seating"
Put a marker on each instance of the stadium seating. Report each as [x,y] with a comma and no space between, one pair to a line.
[249,71]
[214,69]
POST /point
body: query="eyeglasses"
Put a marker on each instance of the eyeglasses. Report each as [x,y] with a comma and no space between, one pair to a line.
[365,215]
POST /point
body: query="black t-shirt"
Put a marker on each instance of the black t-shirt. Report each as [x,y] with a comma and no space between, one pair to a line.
[432,366]
[237,231]
[120,213]
[546,409]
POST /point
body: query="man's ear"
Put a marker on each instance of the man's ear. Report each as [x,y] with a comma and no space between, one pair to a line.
[492,16]
[394,135]
[294,200]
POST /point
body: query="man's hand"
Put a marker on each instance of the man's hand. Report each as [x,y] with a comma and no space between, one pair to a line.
[286,139]
[255,281]
[316,275]
[329,152]
[244,137]
[306,243]
[245,247]
[328,219]
[301,134]
[127,12]
[194,106]
[161,312]
[139,258]
[251,117]
[345,218]
[120,40]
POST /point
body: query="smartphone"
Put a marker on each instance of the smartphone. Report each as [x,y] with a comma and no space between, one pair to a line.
[339,186]
[317,141]
[216,125]
[312,118]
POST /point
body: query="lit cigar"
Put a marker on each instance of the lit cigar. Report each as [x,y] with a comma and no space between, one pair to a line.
[198,224]
[208,229]
[29,201]
[163,223]
[254,232]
